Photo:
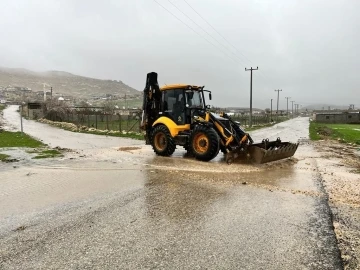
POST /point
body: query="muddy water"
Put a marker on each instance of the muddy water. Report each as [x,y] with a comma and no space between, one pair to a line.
[110,207]
[93,156]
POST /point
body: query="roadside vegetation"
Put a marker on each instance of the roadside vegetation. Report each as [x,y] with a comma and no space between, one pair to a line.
[47,153]
[347,133]
[4,157]
[18,139]
[2,107]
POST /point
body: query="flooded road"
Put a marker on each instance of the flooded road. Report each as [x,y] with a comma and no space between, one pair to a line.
[106,207]
[58,137]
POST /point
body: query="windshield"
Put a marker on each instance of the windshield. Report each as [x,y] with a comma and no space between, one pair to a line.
[194,99]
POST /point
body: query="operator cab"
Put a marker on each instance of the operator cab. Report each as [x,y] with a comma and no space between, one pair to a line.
[182,102]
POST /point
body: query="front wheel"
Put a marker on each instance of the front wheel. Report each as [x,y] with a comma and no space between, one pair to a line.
[204,143]
[162,141]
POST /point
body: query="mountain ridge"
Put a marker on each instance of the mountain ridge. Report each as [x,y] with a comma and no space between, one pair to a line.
[64,83]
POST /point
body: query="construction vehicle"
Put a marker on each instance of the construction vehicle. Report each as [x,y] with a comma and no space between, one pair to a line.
[176,115]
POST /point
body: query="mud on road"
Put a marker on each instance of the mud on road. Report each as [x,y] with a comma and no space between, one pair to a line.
[339,167]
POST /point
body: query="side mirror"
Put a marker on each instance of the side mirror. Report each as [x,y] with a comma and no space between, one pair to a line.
[210,96]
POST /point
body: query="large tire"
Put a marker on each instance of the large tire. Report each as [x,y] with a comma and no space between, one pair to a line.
[162,141]
[204,143]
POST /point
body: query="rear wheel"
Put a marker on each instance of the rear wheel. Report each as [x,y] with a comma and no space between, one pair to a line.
[204,143]
[162,141]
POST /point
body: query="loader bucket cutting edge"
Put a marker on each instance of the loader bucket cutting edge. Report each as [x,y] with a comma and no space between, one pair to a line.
[261,153]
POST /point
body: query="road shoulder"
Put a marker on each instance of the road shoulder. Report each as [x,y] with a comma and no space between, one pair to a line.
[339,166]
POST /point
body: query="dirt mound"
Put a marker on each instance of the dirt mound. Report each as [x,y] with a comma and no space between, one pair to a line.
[324,131]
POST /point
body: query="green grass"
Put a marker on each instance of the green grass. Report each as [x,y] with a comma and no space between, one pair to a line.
[18,139]
[313,132]
[43,155]
[4,157]
[51,152]
[2,107]
[47,153]
[348,133]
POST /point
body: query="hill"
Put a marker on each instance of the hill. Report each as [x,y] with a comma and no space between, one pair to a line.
[64,83]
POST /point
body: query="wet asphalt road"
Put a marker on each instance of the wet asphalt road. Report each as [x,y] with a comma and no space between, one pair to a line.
[131,210]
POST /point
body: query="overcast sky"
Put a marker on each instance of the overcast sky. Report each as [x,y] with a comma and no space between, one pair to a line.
[307,48]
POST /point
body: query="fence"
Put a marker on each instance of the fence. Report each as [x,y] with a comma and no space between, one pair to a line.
[258,119]
[126,121]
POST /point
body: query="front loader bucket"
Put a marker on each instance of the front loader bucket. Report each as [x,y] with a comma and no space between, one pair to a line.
[271,151]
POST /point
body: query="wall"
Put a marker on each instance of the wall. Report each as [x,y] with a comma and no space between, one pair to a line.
[339,118]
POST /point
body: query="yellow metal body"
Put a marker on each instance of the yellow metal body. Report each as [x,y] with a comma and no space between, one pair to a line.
[228,139]
[171,125]
[179,86]
[175,128]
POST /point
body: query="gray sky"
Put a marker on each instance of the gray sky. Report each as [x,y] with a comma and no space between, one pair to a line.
[308,48]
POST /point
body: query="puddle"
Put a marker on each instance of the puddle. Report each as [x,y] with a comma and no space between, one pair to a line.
[129,148]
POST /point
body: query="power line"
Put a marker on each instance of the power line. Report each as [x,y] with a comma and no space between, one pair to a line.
[228,42]
[205,31]
[194,31]
[217,31]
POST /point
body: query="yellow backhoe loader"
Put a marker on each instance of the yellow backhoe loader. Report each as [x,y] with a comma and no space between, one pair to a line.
[177,115]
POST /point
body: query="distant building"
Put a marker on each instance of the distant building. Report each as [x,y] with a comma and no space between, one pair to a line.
[34,110]
[337,117]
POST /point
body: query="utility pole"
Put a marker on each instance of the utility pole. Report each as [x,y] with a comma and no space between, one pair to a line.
[21,121]
[287,106]
[277,107]
[296,108]
[271,111]
[251,70]
[292,108]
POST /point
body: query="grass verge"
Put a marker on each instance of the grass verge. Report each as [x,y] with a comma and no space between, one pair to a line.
[18,139]
[3,157]
[47,153]
[347,133]
[2,107]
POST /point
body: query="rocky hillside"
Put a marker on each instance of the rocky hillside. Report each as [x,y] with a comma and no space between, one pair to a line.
[64,83]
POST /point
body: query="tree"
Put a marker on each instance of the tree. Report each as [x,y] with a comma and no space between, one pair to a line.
[109,107]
